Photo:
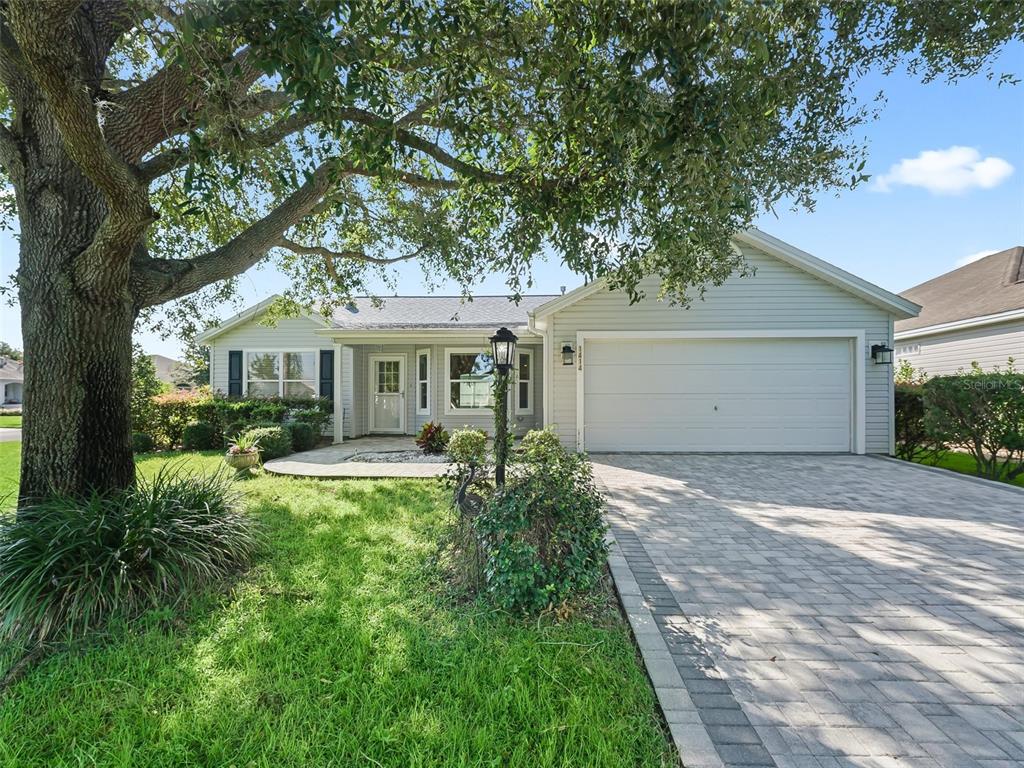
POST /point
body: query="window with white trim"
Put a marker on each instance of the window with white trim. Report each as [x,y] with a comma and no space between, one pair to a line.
[423,382]
[281,374]
[470,380]
[524,382]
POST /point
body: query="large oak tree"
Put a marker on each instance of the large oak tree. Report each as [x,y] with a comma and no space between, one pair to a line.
[158,150]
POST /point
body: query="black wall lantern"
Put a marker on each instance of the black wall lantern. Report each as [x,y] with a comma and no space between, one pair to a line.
[503,344]
[568,354]
[881,354]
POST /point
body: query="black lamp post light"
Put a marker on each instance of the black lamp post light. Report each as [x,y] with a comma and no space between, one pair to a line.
[881,354]
[503,347]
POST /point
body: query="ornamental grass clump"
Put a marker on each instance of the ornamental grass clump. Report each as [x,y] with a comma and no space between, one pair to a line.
[68,565]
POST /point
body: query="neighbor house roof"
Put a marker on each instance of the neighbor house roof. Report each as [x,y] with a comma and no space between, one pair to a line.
[989,288]
[398,312]
[11,370]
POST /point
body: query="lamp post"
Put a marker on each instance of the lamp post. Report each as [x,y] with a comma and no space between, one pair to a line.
[503,347]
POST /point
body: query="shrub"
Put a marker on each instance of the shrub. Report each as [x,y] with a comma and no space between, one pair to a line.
[542,534]
[433,437]
[303,438]
[468,447]
[69,564]
[234,429]
[171,414]
[540,445]
[200,436]
[317,418]
[913,443]
[269,412]
[141,442]
[275,440]
[984,413]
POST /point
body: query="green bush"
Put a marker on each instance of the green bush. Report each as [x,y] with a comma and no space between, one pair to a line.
[69,564]
[200,436]
[317,418]
[984,414]
[913,443]
[303,438]
[275,440]
[468,447]
[542,534]
[234,429]
[141,442]
[433,437]
[269,412]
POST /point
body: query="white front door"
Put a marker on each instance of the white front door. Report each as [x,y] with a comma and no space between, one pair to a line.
[387,393]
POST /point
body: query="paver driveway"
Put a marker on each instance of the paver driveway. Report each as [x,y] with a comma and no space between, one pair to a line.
[824,610]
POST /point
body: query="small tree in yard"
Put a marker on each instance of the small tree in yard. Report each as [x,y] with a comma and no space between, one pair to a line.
[982,412]
[145,386]
[158,149]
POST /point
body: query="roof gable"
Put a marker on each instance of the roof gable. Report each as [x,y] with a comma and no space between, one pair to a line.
[993,285]
[829,273]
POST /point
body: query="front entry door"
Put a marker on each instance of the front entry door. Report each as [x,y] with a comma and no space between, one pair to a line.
[387,393]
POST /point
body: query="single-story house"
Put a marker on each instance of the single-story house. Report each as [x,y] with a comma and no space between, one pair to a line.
[972,314]
[172,372]
[12,378]
[780,360]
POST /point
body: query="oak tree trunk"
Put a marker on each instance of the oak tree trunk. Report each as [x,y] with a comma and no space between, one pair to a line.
[77,327]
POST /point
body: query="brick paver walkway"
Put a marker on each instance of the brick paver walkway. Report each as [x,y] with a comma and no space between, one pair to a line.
[824,611]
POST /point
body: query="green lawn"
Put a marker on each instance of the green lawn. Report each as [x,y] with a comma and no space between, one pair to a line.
[7,420]
[964,463]
[340,648]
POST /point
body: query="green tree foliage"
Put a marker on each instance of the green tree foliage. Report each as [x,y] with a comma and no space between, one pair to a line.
[145,386]
[6,350]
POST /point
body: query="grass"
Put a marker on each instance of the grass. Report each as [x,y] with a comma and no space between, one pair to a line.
[10,421]
[341,647]
[964,464]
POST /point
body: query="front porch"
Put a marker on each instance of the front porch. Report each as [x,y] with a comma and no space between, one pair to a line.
[342,460]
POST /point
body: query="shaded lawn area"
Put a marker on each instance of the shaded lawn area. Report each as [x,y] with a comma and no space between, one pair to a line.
[10,421]
[339,648]
[964,464]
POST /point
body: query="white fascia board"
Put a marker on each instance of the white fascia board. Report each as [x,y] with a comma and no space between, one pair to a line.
[956,325]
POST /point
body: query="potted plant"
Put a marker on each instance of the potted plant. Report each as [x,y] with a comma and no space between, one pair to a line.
[243,453]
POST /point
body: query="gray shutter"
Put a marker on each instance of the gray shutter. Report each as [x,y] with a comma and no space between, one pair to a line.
[235,373]
[327,374]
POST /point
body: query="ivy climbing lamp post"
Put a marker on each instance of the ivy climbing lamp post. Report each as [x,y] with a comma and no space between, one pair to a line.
[503,348]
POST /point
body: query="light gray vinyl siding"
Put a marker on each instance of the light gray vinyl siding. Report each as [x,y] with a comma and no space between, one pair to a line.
[776,297]
[946,353]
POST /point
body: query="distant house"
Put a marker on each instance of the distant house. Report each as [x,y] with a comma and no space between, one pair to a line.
[12,377]
[172,372]
[972,314]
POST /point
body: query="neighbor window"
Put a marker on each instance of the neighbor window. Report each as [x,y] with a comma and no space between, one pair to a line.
[281,374]
[524,382]
[470,380]
[423,382]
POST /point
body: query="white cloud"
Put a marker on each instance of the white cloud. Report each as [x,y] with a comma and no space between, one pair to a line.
[946,171]
[964,261]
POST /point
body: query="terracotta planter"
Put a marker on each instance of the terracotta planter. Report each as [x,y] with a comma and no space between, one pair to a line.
[242,461]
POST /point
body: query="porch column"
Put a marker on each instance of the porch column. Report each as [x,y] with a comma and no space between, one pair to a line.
[339,410]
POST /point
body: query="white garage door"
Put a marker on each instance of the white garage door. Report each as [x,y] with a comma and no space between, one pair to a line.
[717,395]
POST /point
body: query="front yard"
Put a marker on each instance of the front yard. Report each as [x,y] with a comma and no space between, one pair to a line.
[965,465]
[341,647]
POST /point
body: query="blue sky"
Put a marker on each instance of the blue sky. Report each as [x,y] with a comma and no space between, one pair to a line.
[920,216]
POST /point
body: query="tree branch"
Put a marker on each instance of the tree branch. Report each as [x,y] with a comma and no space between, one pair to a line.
[330,256]
[43,32]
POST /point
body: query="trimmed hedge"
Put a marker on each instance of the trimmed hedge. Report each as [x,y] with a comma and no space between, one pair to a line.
[303,438]
[275,440]
[141,442]
[913,442]
[171,413]
[200,436]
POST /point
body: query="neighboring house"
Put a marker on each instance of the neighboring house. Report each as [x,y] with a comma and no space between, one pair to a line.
[12,377]
[776,361]
[972,314]
[172,372]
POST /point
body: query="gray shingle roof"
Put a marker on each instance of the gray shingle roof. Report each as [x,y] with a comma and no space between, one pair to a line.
[11,370]
[436,312]
[987,286]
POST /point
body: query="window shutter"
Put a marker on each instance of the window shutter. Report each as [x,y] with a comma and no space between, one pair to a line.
[327,374]
[235,373]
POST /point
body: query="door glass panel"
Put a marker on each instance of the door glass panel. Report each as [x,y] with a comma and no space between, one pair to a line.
[524,394]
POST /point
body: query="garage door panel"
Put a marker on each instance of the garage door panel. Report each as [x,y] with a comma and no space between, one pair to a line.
[702,378]
[717,395]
